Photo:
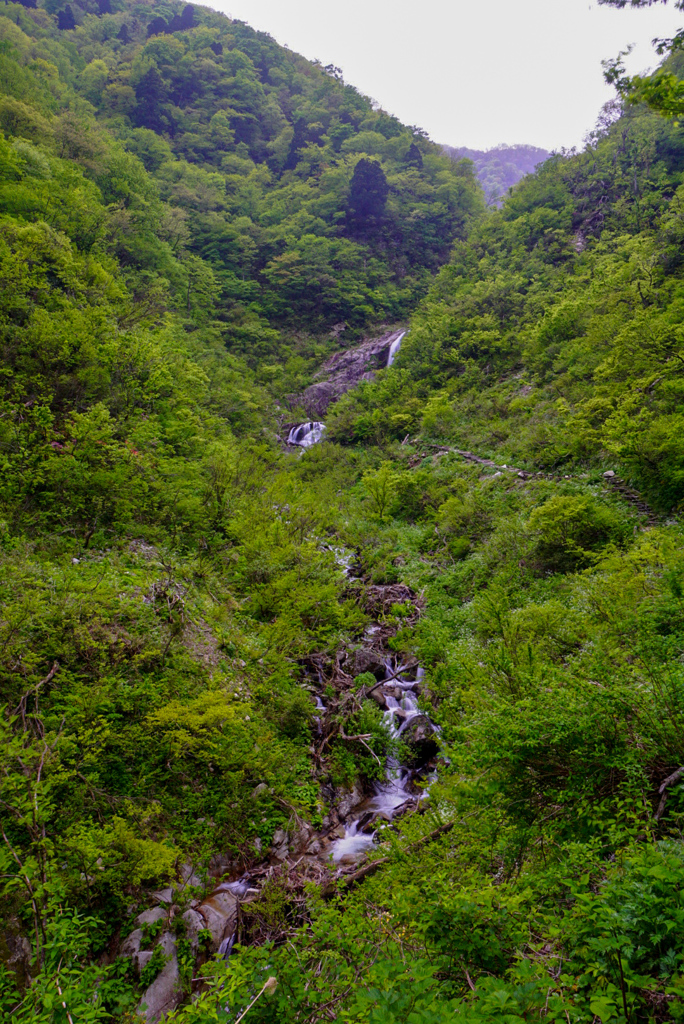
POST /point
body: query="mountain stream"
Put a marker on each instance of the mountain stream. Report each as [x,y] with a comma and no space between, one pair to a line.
[398,791]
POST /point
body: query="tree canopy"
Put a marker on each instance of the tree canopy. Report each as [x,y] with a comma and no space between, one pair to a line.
[205,631]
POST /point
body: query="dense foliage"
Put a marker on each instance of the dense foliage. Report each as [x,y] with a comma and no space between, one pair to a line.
[186,210]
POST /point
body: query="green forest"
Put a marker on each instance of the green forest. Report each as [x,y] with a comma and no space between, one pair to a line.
[386,729]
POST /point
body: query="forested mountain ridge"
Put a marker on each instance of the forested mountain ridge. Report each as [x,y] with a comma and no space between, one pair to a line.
[269,168]
[209,641]
[500,167]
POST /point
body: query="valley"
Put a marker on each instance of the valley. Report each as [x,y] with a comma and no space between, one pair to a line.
[342,577]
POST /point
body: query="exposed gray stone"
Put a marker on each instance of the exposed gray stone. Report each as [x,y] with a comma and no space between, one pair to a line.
[343,371]
[131,944]
[219,913]
[151,915]
[369,661]
[347,799]
[164,896]
[189,876]
[194,924]
[165,991]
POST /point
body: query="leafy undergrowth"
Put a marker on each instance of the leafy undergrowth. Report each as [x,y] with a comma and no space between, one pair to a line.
[173,205]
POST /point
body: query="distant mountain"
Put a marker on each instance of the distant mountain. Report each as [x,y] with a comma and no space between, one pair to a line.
[500,167]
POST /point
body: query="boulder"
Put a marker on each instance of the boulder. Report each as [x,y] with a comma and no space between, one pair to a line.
[369,661]
[190,876]
[418,730]
[348,799]
[219,913]
[164,896]
[151,916]
[194,924]
[131,944]
[165,991]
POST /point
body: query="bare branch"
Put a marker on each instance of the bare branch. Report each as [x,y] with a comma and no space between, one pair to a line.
[663,791]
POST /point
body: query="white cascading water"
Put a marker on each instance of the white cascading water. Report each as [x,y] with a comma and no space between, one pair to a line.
[394,348]
[394,792]
[306,434]
[320,706]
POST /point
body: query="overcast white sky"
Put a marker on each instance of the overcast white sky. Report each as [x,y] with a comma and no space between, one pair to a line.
[471,72]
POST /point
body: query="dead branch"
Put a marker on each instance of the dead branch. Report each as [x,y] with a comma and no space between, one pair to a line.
[360,739]
[663,791]
[21,706]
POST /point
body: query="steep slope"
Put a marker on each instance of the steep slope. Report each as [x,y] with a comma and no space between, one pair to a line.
[309,206]
[219,658]
[185,210]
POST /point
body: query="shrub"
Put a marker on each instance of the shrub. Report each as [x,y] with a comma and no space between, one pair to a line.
[568,530]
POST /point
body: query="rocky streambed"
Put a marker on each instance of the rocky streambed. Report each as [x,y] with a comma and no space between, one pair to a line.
[183,930]
[346,369]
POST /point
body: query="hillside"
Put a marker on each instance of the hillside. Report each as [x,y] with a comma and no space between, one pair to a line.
[500,167]
[385,728]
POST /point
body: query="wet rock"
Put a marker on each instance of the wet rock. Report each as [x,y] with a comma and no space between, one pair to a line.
[165,991]
[423,752]
[369,661]
[378,696]
[219,913]
[419,730]
[344,371]
[365,823]
[348,799]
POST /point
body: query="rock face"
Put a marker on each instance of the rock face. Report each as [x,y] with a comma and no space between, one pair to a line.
[217,914]
[164,992]
[344,371]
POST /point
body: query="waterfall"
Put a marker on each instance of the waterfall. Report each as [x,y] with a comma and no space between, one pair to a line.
[318,719]
[306,434]
[395,792]
[394,347]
